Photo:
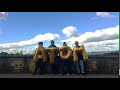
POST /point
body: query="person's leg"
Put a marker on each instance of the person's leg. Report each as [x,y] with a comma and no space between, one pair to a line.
[85,67]
[78,66]
[44,69]
[41,66]
[82,66]
[63,67]
[52,68]
[56,66]
[68,67]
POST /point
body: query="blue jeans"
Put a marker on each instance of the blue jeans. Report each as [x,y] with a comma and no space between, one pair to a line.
[80,65]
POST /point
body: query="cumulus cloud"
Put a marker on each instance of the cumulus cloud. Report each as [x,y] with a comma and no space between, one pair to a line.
[105,15]
[107,45]
[98,35]
[3,15]
[35,40]
[105,39]
[70,31]
[18,50]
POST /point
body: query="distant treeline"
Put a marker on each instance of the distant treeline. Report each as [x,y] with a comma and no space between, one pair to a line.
[112,53]
[5,54]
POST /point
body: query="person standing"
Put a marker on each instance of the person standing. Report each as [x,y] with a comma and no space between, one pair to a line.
[40,58]
[79,58]
[54,65]
[66,62]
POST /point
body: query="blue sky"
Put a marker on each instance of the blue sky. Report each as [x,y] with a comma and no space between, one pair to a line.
[21,26]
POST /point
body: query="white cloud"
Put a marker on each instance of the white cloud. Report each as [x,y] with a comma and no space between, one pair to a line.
[18,50]
[107,45]
[105,15]
[105,39]
[35,40]
[93,18]
[3,15]
[70,31]
[98,35]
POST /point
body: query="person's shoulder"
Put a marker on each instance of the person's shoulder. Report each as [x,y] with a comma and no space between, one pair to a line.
[44,47]
[55,46]
[36,49]
[49,46]
[74,46]
[81,45]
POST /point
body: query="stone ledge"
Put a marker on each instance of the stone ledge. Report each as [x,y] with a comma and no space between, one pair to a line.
[98,65]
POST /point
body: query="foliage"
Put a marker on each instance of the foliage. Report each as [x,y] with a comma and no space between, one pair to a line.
[5,54]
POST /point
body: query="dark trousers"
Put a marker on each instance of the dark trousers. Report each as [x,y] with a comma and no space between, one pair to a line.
[66,63]
[40,64]
[55,67]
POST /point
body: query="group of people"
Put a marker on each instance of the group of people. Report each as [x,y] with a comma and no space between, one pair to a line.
[78,60]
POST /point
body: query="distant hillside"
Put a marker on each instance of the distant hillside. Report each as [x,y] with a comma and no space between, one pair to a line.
[98,53]
[104,53]
[112,53]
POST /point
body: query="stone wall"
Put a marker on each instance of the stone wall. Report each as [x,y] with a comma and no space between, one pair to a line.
[98,65]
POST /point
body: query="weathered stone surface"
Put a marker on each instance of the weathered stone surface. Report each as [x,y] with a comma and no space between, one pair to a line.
[100,65]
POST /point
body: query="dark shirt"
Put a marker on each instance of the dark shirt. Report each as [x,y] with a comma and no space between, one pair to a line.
[64,52]
[80,56]
[40,53]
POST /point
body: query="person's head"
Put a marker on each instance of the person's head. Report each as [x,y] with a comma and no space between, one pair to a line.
[76,43]
[64,44]
[40,43]
[52,42]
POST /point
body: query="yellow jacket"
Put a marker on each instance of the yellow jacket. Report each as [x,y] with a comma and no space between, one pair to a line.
[42,56]
[52,53]
[83,51]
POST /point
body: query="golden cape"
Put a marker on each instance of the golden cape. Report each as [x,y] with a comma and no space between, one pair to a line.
[83,51]
[42,56]
[52,53]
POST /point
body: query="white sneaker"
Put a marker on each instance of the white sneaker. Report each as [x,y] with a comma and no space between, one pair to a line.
[61,74]
[67,74]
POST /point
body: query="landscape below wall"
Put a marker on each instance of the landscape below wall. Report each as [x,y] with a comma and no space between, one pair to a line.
[97,65]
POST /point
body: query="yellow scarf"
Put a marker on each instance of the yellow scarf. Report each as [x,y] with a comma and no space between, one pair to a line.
[42,56]
[84,54]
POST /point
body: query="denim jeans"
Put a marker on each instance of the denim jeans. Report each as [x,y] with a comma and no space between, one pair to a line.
[80,65]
